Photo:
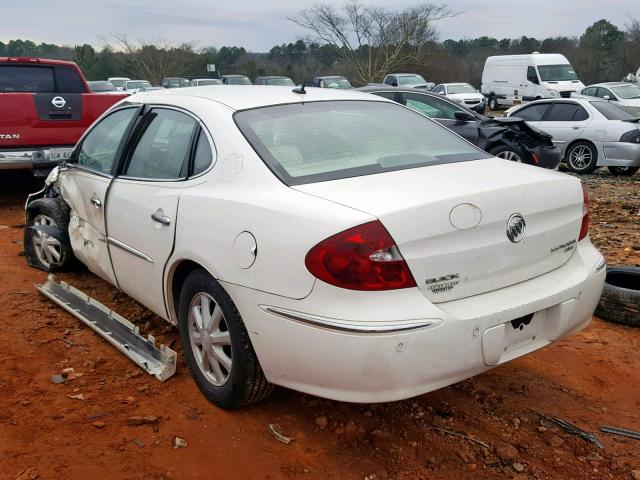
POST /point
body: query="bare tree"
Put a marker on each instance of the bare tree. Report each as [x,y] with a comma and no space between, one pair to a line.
[374,41]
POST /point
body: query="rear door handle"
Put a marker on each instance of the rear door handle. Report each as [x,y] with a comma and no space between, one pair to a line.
[576,127]
[161,218]
[95,201]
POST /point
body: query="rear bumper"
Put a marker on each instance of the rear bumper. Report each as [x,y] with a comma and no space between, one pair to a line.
[619,154]
[548,157]
[438,344]
[30,158]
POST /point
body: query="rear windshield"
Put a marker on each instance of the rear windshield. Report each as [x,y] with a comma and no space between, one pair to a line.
[319,141]
[612,112]
[40,79]
[285,82]
[411,80]
[238,81]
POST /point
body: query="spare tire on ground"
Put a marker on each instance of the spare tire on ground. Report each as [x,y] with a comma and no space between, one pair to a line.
[620,300]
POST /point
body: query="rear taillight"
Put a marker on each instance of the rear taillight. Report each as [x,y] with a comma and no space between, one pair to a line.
[361,258]
[584,228]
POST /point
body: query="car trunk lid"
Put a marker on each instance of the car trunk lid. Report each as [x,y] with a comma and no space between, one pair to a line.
[450,221]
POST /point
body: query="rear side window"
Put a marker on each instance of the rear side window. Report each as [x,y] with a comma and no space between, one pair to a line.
[26,79]
[68,80]
[162,151]
[532,113]
[566,112]
[203,156]
[318,141]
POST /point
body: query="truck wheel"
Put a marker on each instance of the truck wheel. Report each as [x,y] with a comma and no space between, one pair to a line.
[620,300]
[623,171]
[216,345]
[493,103]
[582,157]
[508,153]
[46,252]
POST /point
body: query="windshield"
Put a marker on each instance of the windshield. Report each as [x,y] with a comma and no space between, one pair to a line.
[411,80]
[118,83]
[627,91]
[101,87]
[319,141]
[208,82]
[337,82]
[238,81]
[557,73]
[611,111]
[285,82]
[453,89]
[136,85]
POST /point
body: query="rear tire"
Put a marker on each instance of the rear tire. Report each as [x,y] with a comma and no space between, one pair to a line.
[48,254]
[508,153]
[216,345]
[620,300]
[623,171]
[582,157]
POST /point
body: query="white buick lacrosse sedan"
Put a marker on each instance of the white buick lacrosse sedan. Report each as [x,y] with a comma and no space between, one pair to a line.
[332,242]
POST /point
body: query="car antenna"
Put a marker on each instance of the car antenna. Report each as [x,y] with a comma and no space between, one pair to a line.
[300,90]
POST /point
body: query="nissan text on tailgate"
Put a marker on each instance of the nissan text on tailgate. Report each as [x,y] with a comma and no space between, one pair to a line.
[45,106]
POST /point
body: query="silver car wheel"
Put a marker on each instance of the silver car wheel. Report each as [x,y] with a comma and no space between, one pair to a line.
[47,249]
[580,157]
[210,338]
[510,155]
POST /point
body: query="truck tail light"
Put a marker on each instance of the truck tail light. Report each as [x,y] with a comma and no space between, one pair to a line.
[584,228]
[361,258]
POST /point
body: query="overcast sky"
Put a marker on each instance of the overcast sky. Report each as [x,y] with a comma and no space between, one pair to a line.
[258,25]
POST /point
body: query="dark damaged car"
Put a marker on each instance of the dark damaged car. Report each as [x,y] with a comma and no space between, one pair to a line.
[508,138]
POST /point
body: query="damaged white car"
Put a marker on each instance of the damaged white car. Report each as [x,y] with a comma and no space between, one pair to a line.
[331,242]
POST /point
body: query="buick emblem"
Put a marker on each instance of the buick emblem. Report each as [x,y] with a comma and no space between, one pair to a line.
[58,102]
[516,227]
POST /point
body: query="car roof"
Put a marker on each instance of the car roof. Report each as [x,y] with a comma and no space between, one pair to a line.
[34,60]
[454,83]
[609,84]
[386,88]
[406,74]
[272,76]
[234,75]
[241,97]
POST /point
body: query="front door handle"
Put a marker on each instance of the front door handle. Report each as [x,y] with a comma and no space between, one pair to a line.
[95,201]
[576,127]
[161,218]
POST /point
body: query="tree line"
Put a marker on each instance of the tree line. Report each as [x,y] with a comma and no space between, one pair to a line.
[604,52]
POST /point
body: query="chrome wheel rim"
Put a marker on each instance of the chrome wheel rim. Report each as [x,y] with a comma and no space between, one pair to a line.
[47,249]
[510,155]
[210,339]
[580,157]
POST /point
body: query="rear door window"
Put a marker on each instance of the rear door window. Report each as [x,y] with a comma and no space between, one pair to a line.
[163,146]
[566,112]
[532,113]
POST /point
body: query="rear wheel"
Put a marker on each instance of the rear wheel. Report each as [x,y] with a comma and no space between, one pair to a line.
[216,345]
[508,153]
[582,157]
[493,103]
[623,171]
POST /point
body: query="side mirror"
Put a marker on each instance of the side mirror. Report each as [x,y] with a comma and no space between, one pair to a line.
[607,97]
[394,83]
[463,116]
[441,92]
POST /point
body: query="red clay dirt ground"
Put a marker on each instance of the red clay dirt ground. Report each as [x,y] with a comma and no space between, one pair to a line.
[590,379]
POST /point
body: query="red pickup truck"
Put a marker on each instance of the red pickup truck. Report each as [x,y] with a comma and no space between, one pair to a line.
[45,106]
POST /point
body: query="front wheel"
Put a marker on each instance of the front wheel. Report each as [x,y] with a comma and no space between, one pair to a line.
[623,171]
[508,153]
[582,157]
[216,345]
[45,251]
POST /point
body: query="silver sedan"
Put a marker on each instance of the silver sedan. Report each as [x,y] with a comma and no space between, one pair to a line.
[590,133]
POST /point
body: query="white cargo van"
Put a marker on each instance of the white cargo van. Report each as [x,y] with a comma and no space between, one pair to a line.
[513,79]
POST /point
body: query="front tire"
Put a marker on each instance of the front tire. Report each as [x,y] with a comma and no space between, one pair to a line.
[623,171]
[493,103]
[508,153]
[582,157]
[216,345]
[47,253]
